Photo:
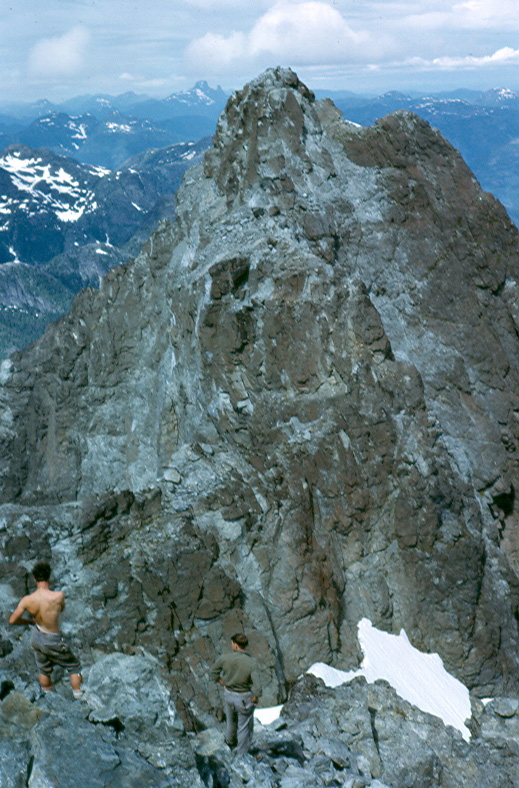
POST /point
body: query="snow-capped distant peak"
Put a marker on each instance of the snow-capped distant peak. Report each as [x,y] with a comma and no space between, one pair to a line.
[200,93]
[500,96]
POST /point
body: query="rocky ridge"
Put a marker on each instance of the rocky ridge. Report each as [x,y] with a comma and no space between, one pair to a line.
[295,408]
[481,126]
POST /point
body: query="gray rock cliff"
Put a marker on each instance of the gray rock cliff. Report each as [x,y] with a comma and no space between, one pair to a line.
[295,408]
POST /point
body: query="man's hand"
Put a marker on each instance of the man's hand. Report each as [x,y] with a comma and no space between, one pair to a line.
[254,700]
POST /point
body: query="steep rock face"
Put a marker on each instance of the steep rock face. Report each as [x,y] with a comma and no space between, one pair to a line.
[294,409]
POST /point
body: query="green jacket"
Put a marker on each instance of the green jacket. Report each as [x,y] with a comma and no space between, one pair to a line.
[238,672]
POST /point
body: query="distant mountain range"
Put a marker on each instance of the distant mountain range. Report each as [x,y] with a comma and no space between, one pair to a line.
[105,130]
[83,183]
[198,100]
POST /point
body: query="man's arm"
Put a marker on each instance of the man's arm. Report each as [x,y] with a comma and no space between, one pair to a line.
[16,617]
[214,673]
[256,684]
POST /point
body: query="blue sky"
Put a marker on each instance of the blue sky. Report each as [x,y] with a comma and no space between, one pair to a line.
[61,48]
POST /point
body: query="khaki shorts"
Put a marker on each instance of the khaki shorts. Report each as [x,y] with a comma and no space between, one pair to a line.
[50,649]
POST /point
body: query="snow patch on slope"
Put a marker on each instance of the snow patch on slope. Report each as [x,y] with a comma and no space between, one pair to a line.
[48,187]
[419,678]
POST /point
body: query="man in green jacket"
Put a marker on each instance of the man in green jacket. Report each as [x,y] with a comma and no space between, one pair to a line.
[237,673]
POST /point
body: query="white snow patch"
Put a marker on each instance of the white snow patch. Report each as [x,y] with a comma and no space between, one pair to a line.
[418,678]
[80,130]
[72,214]
[100,171]
[65,177]
[267,715]
[12,252]
[53,189]
[114,127]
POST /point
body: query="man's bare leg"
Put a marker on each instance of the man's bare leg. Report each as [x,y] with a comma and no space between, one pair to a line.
[45,682]
[75,680]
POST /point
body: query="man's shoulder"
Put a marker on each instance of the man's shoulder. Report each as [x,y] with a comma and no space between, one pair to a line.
[50,594]
[30,602]
[245,657]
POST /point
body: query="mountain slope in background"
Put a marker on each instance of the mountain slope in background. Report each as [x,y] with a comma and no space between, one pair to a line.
[201,99]
[105,131]
[484,127]
[64,224]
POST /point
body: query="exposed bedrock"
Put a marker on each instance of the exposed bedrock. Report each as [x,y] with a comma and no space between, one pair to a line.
[297,407]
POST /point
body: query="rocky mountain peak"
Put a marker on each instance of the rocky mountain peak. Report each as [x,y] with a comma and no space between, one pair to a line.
[295,408]
[262,127]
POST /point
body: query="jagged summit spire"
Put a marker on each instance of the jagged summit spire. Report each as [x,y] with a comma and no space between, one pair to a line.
[263,125]
[277,77]
[276,137]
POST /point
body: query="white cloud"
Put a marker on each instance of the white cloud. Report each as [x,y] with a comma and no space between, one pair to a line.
[487,13]
[503,56]
[61,56]
[309,32]
[222,5]
[217,52]
[500,62]
[455,16]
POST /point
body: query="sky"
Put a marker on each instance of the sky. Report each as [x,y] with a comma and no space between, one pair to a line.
[58,49]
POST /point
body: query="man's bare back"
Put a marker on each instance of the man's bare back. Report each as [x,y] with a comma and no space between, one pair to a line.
[49,646]
[44,606]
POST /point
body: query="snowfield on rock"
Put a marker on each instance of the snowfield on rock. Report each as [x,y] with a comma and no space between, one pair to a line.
[418,678]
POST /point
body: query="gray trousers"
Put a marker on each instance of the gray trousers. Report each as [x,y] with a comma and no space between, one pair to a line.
[239,713]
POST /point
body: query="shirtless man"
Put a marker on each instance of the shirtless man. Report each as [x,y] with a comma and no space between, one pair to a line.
[49,647]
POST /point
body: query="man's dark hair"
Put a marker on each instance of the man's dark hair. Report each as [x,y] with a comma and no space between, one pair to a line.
[41,572]
[241,640]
